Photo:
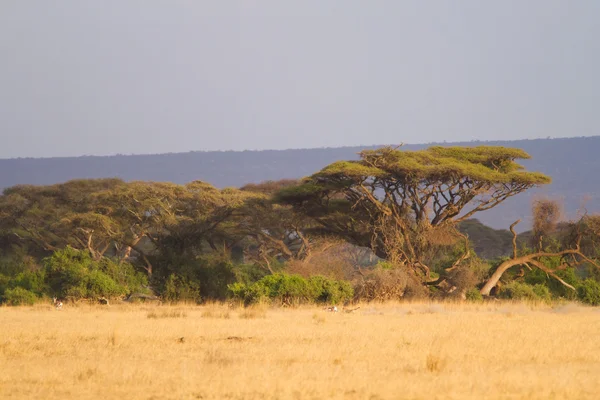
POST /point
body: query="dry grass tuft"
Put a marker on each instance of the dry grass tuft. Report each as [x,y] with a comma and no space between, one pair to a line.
[167,314]
[318,318]
[216,314]
[434,363]
[252,313]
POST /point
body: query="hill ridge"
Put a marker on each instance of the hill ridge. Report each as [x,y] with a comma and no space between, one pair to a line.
[572,163]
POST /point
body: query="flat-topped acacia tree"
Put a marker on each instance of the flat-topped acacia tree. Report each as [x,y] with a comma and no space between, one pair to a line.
[401,204]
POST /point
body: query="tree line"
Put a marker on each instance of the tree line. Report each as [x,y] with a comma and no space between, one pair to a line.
[386,226]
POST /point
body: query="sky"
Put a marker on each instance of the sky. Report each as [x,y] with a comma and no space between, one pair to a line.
[87,77]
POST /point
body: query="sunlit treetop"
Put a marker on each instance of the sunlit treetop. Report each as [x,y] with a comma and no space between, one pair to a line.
[484,163]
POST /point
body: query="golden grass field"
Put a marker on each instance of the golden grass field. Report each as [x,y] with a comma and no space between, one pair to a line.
[390,351]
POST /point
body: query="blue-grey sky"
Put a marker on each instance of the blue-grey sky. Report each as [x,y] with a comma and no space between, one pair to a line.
[147,76]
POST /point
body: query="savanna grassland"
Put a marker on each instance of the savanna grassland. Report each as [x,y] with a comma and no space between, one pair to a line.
[390,351]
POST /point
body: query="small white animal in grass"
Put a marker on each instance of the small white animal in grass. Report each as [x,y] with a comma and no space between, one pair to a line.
[331,309]
[57,303]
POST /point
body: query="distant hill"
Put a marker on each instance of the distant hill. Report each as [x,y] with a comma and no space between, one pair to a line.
[573,164]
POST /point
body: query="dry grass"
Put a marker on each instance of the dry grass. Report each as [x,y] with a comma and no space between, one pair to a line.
[392,351]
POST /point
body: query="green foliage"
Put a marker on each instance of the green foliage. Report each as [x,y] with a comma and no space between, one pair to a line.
[207,274]
[523,291]
[4,284]
[16,262]
[557,289]
[19,297]
[66,270]
[249,273]
[589,292]
[75,274]
[99,284]
[382,264]
[287,289]
[284,289]
[330,291]
[33,281]
[483,163]
[214,274]
[125,275]
[181,289]
[474,295]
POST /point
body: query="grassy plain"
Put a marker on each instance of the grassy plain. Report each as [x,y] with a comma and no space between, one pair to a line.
[390,351]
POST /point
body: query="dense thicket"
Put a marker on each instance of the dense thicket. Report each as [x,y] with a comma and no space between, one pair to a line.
[391,225]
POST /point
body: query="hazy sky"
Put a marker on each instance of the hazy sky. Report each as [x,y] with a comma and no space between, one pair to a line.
[121,76]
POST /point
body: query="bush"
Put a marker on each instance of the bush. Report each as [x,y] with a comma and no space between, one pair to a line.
[125,275]
[249,273]
[284,289]
[524,291]
[249,294]
[474,295]
[208,275]
[19,296]
[557,289]
[66,272]
[589,292]
[213,275]
[330,291]
[181,289]
[73,273]
[99,284]
[4,284]
[32,281]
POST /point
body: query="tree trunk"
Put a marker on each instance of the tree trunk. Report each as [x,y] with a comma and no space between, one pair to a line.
[126,253]
[505,266]
[525,260]
[148,267]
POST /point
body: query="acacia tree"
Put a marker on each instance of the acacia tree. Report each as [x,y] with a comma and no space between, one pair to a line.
[47,218]
[402,204]
[165,218]
[137,218]
[272,231]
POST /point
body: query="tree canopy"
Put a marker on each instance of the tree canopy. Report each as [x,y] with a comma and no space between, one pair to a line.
[400,203]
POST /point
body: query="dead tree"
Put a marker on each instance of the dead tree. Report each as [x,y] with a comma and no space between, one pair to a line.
[534,260]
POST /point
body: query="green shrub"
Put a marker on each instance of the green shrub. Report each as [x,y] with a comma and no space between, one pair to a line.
[330,291]
[249,273]
[589,292]
[74,273]
[99,284]
[542,292]
[285,289]
[213,275]
[557,289]
[181,289]
[248,293]
[19,296]
[34,281]
[125,275]
[474,295]
[523,291]
[4,284]
[66,272]
[382,264]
